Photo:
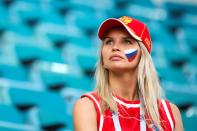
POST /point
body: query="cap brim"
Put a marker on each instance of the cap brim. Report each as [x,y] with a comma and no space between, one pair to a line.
[113,22]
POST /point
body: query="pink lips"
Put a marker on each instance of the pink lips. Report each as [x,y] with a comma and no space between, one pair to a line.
[116,57]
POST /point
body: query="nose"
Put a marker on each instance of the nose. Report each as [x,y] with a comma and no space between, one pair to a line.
[115,47]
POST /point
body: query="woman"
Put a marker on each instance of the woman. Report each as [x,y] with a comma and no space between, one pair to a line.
[128,95]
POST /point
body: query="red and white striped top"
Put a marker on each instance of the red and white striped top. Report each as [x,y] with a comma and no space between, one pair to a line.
[128,118]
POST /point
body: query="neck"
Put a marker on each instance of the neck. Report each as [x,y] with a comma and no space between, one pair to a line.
[124,85]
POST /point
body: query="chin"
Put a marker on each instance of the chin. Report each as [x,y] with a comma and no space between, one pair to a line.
[120,69]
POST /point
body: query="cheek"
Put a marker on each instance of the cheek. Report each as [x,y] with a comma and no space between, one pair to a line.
[138,56]
[104,56]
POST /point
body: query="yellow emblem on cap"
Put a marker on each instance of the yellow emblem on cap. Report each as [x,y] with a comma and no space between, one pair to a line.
[125,19]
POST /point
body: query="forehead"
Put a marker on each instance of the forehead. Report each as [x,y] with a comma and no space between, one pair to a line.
[117,30]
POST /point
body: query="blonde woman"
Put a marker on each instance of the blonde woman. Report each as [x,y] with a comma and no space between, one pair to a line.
[128,96]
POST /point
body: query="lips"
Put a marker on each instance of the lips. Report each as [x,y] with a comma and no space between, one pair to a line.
[115,57]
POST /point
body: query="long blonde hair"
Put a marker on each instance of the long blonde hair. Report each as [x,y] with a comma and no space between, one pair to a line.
[149,88]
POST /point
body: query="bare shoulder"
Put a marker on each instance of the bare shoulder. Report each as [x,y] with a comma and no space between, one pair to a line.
[84,103]
[84,115]
[177,117]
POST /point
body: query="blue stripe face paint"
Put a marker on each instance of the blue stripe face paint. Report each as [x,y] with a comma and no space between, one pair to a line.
[130,54]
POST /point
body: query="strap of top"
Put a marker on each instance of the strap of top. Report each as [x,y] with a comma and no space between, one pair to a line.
[96,101]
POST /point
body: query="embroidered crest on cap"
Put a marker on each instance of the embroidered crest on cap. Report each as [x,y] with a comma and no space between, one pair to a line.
[125,19]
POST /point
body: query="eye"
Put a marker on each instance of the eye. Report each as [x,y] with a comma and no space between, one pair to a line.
[127,41]
[108,42]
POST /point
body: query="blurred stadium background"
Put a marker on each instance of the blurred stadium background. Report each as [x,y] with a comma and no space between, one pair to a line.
[48,51]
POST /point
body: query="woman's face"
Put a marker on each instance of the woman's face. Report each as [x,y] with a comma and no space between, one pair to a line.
[115,42]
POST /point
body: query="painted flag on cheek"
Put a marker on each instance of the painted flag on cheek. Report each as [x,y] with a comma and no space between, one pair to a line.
[130,54]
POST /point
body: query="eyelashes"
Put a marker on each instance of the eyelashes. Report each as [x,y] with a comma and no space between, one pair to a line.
[128,42]
[108,42]
[111,41]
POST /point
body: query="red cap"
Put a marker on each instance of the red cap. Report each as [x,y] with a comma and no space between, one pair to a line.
[136,28]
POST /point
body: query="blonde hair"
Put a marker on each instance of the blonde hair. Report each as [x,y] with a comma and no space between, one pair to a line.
[148,88]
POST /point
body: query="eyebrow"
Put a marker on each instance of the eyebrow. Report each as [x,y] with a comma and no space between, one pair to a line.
[129,37]
[106,38]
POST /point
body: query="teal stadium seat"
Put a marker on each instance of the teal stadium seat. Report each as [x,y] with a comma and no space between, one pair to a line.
[60,40]
[62,7]
[30,16]
[51,16]
[57,81]
[177,97]
[14,72]
[20,29]
[81,83]
[81,41]
[13,120]
[177,58]
[190,39]
[29,53]
[172,75]
[189,121]
[51,106]
[189,20]
[10,114]
[3,20]
[53,80]
[87,64]
[180,6]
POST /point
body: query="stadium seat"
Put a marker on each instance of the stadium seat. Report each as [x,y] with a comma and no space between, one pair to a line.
[20,29]
[52,111]
[59,40]
[53,80]
[177,58]
[87,21]
[30,16]
[179,99]
[14,72]
[189,20]
[51,106]
[3,20]
[80,41]
[24,99]
[77,82]
[190,39]
[51,16]
[189,120]
[180,6]
[171,74]
[10,114]
[27,54]
[62,7]
[87,64]
[13,120]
